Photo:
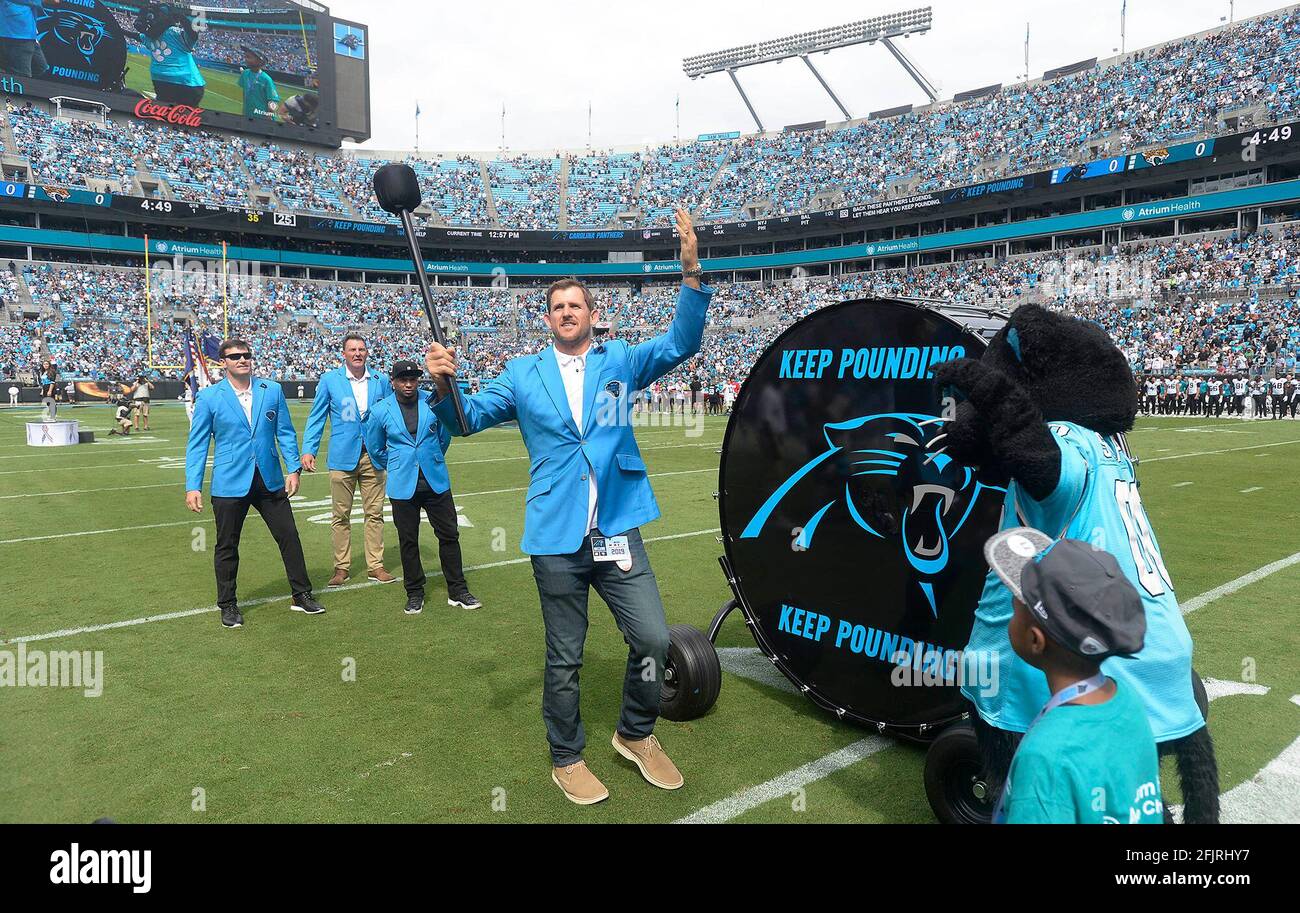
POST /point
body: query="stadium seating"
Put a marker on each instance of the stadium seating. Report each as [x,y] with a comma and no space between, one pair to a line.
[1217,301]
[1188,87]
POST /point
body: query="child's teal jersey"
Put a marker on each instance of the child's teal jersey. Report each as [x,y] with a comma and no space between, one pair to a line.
[1087,764]
[1096,501]
[171,59]
[259,92]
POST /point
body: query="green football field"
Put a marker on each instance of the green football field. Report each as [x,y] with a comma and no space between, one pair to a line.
[221,94]
[442,720]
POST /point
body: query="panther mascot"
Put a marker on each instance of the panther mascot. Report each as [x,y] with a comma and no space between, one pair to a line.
[1046,408]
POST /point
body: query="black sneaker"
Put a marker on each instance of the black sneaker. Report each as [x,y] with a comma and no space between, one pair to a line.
[414,604]
[465,600]
[230,617]
[307,604]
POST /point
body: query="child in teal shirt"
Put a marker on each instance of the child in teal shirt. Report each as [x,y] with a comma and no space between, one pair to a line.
[260,96]
[1089,757]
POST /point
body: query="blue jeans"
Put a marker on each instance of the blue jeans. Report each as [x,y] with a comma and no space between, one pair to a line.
[563,582]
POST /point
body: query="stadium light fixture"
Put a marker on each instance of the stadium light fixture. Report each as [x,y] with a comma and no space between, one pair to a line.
[804,44]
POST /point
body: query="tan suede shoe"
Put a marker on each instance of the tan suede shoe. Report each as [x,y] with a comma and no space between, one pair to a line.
[579,784]
[340,577]
[382,575]
[648,755]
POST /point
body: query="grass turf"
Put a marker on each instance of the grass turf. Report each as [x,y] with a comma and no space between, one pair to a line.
[442,722]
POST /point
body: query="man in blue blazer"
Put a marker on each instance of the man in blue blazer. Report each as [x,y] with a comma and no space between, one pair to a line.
[408,442]
[247,416]
[343,397]
[588,494]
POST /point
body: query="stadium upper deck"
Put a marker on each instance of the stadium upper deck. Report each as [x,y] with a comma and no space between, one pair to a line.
[1211,83]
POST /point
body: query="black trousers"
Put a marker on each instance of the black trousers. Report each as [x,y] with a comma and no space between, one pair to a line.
[278,516]
[172,93]
[441,510]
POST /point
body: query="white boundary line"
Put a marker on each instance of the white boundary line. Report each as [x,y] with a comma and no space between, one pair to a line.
[1232,586]
[735,805]
[1182,456]
[200,519]
[180,466]
[186,613]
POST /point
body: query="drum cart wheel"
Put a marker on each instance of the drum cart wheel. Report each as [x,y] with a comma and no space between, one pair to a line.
[692,675]
[954,782]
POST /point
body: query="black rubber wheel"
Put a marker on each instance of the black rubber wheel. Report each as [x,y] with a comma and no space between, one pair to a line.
[954,781]
[692,675]
[1202,699]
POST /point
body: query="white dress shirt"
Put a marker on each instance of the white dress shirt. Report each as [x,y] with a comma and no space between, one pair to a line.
[246,400]
[360,391]
[573,369]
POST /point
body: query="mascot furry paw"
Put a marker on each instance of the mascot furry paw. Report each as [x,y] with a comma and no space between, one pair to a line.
[1046,407]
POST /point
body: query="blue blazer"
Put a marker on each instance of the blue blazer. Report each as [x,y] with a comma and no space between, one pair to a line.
[392,449]
[334,401]
[531,391]
[218,415]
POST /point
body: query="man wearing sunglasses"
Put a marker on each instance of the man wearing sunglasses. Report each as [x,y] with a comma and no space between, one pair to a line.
[248,417]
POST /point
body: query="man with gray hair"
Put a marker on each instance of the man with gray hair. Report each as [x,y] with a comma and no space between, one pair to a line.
[343,396]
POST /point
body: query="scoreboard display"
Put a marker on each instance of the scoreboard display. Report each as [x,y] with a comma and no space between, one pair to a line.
[282,68]
[1248,145]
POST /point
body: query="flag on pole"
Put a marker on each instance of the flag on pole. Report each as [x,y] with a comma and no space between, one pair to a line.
[417,109]
[196,367]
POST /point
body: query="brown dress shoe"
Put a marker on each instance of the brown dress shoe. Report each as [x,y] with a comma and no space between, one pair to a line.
[579,784]
[340,577]
[381,575]
[648,755]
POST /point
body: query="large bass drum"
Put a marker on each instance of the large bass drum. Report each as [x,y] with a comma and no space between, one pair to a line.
[853,542]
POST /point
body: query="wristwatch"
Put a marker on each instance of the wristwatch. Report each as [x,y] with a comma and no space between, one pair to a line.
[695,273]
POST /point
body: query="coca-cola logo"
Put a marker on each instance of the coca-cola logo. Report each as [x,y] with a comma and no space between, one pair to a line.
[181,115]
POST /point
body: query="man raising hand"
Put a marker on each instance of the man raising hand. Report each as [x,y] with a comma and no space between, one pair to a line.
[587,498]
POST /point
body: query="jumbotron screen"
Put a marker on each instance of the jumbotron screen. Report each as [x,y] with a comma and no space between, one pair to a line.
[262,66]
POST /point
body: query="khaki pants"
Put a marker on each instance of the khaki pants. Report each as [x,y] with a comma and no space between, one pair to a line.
[343,486]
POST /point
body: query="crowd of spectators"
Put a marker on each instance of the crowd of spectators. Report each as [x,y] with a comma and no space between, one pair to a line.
[1220,302]
[1234,77]
[284,53]
[526,191]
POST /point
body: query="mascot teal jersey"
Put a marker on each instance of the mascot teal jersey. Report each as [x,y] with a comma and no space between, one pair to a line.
[1096,501]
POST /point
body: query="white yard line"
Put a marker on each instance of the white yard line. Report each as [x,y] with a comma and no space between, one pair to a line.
[1232,586]
[1183,456]
[750,663]
[297,509]
[186,613]
[180,465]
[131,447]
[85,491]
[737,804]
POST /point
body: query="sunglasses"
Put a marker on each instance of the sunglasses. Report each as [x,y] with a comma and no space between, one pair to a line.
[240,356]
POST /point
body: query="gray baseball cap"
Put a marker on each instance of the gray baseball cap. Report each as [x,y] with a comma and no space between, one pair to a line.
[1078,594]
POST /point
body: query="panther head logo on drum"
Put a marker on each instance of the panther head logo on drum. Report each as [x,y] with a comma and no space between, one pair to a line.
[894,482]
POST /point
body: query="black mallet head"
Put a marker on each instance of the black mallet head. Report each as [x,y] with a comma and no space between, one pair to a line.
[397,189]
